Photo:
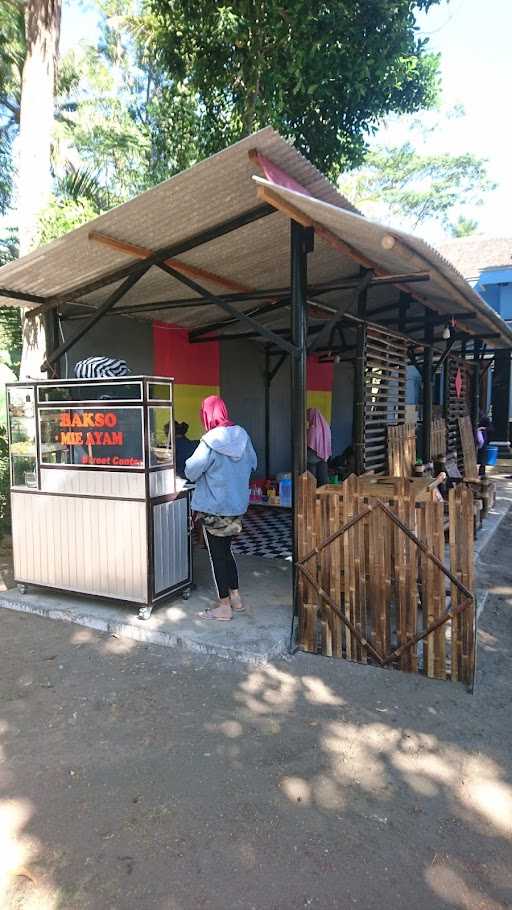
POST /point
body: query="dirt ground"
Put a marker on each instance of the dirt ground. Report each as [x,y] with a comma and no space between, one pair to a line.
[139,778]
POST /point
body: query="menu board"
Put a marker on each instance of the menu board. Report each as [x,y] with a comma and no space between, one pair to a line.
[92,437]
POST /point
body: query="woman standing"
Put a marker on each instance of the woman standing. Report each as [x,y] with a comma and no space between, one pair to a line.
[319,445]
[221,467]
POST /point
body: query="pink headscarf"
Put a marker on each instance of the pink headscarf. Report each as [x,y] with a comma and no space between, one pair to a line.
[319,434]
[214,413]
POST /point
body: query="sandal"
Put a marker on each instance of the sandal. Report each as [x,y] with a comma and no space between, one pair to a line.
[209,614]
[239,606]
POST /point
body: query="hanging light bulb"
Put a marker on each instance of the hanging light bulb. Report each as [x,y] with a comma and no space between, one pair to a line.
[446,332]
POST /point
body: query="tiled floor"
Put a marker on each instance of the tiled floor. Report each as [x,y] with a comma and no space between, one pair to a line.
[267,532]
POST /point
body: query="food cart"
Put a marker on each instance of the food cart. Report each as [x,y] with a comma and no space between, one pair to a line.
[96,506]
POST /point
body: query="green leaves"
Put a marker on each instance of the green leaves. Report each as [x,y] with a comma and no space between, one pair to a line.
[418,187]
[321,73]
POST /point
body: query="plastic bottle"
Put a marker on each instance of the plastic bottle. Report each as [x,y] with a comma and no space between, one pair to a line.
[285,492]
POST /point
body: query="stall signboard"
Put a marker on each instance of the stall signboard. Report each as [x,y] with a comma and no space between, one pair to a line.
[103,437]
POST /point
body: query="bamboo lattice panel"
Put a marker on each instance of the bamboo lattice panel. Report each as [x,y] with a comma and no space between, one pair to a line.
[401,449]
[373,574]
[458,402]
[384,393]
[438,437]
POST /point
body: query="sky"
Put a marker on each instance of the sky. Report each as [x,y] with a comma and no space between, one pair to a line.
[473,38]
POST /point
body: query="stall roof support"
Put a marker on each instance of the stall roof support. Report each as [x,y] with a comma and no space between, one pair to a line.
[127,284]
[440,363]
[329,237]
[364,281]
[359,380]
[196,334]
[22,297]
[176,249]
[427,388]
[193,271]
[299,331]
[224,305]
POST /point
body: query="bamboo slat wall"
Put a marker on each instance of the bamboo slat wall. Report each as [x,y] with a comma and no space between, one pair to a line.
[401,449]
[385,393]
[457,404]
[372,578]
[467,441]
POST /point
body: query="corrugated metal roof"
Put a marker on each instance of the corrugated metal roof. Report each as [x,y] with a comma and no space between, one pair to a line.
[213,190]
[256,255]
[446,288]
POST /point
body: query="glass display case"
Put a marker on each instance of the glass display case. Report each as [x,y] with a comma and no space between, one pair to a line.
[99,457]
[22,436]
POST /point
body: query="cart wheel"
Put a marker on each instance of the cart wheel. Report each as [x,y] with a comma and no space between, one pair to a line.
[22,588]
[186,594]
[144,612]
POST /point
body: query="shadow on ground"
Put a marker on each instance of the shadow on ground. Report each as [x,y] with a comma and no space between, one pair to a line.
[134,778]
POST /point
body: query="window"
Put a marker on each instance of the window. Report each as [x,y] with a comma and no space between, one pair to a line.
[160,436]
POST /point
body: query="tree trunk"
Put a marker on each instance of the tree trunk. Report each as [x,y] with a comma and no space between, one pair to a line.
[42,27]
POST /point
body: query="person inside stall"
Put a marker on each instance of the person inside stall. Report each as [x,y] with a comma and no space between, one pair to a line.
[343,465]
[319,445]
[184,446]
[483,437]
[221,467]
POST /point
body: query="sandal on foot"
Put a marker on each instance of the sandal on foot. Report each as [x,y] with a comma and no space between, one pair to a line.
[210,614]
[240,606]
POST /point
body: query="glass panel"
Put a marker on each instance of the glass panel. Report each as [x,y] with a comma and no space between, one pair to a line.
[104,437]
[21,401]
[94,391]
[160,391]
[23,471]
[22,434]
[160,436]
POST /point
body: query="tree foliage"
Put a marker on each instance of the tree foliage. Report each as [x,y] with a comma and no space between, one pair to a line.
[401,183]
[464,227]
[323,74]
[127,125]
[12,56]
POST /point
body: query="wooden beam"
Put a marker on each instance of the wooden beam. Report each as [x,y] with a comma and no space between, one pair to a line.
[346,249]
[390,242]
[109,303]
[193,271]
[184,246]
[21,296]
[224,305]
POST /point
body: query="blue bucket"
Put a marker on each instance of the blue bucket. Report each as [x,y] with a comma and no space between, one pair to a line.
[492,455]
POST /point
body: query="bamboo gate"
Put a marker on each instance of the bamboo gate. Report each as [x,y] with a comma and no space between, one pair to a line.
[402,446]
[375,583]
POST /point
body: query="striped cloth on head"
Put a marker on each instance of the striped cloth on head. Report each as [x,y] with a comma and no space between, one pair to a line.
[101,368]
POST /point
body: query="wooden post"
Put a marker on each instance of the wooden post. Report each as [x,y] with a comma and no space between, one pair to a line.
[299,332]
[501,395]
[267,412]
[299,341]
[359,385]
[475,402]
[427,387]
